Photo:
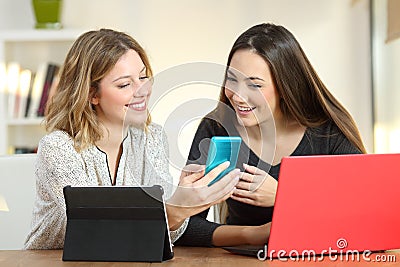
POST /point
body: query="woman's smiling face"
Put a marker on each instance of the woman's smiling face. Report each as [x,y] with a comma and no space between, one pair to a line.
[124,92]
[250,89]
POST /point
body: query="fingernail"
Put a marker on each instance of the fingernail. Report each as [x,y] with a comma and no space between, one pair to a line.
[236,171]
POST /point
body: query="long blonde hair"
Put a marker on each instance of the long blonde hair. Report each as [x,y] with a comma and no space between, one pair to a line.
[90,58]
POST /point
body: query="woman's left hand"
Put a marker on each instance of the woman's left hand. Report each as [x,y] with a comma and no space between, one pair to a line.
[256,187]
[257,235]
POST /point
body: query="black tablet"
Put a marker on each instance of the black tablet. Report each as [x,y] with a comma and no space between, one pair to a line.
[116,224]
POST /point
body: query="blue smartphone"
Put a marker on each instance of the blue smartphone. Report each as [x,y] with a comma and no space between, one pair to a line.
[222,148]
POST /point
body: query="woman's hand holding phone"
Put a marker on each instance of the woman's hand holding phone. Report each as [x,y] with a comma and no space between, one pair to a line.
[194,192]
[200,187]
[193,195]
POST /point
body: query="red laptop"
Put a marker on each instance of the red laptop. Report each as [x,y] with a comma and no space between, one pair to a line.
[335,203]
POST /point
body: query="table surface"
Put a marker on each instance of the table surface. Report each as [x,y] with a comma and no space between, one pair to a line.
[193,256]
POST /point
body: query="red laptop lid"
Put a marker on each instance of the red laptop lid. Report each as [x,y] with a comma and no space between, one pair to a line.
[337,202]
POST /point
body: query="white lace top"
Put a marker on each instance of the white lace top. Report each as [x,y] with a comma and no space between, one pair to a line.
[144,162]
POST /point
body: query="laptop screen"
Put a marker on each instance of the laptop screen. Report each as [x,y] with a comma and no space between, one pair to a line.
[336,202]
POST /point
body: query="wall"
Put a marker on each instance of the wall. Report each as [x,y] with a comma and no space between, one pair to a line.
[334,34]
[386,84]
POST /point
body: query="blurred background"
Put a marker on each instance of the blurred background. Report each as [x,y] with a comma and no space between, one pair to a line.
[345,40]
[352,44]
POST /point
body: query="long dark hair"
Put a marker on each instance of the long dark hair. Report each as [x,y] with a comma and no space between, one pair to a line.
[304,97]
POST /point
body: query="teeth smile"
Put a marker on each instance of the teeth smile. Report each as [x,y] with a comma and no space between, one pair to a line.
[137,106]
[244,108]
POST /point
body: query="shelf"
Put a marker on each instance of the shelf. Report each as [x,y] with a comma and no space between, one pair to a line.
[25,121]
[29,48]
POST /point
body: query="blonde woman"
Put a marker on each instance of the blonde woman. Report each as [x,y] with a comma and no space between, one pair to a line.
[100,134]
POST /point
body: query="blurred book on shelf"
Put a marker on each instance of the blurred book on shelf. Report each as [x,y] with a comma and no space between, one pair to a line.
[52,71]
[27,92]
[25,150]
[12,84]
[21,150]
[41,87]
[21,99]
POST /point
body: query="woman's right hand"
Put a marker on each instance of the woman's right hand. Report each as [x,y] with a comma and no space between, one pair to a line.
[193,195]
[193,190]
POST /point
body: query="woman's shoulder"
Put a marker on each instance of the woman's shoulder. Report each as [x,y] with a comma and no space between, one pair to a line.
[56,138]
[327,139]
[210,126]
[327,128]
[56,145]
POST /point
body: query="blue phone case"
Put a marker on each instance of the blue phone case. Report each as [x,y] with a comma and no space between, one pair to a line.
[222,148]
